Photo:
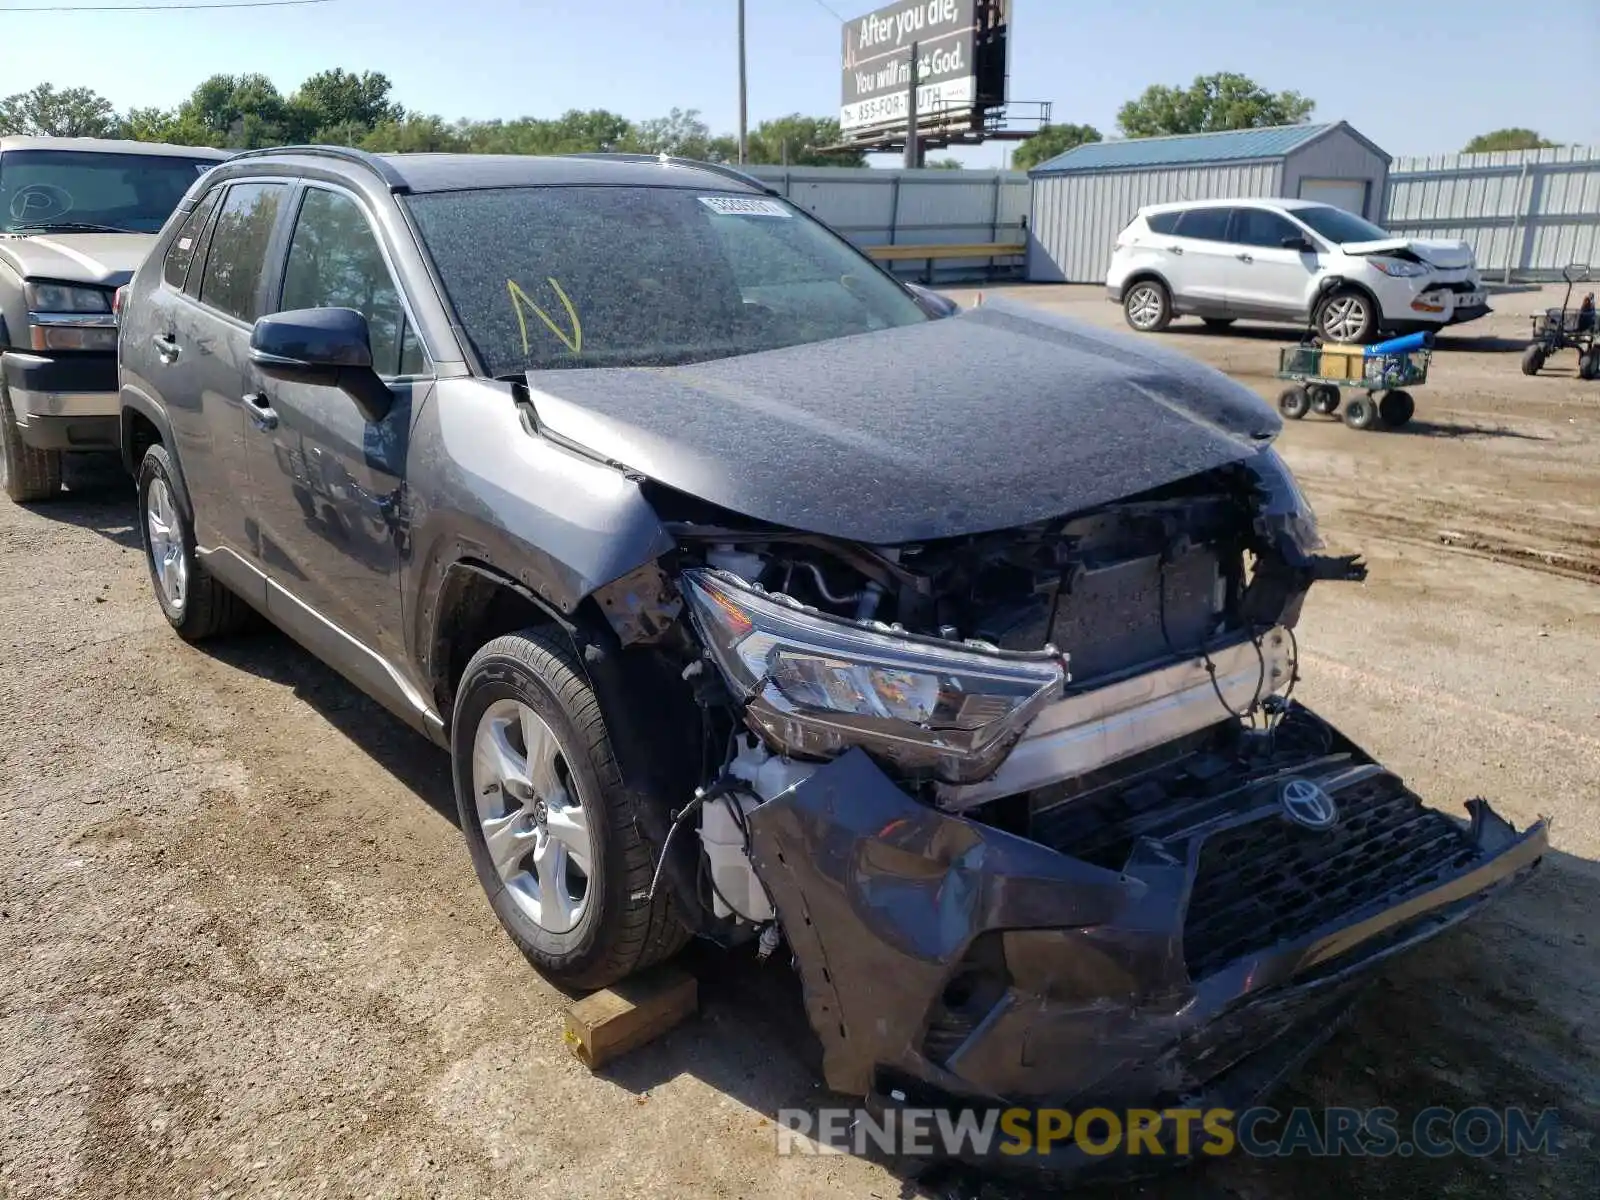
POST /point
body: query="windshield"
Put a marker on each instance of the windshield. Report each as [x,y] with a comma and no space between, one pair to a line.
[1339,226]
[553,277]
[41,190]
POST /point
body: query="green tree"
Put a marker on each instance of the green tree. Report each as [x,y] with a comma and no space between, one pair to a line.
[1506,139]
[943,164]
[416,134]
[1211,103]
[239,112]
[1051,141]
[799,141]
[340,99]
[681,132]
[69,112]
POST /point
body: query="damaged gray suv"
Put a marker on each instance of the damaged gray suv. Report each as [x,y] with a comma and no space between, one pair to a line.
[760,597]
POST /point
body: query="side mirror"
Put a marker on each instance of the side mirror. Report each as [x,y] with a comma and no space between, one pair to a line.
[1300,244]
[327,346]
[931,302]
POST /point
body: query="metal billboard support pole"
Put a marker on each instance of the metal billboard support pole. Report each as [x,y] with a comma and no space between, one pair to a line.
[744,133]
[913,142]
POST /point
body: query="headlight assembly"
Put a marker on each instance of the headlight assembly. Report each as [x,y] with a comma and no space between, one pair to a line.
[816,686]
[1397,268]
[62,298]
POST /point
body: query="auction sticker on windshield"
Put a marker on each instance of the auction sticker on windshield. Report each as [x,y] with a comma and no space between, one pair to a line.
[736,206]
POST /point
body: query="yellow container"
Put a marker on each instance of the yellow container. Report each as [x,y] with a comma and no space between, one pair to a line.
[1342,362]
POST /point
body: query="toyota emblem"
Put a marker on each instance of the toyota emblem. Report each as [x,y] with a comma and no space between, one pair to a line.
[1305,803]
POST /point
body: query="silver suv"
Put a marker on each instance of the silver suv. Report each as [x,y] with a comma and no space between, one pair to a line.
[77,216]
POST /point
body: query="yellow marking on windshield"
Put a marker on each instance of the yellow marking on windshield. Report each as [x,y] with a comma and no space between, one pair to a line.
[572,341]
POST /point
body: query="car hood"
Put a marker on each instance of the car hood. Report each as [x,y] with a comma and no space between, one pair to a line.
[1452,256]
[995,417]
[107,259]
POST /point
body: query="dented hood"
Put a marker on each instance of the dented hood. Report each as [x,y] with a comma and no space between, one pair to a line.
[992,418]
[1452,256]
[107,259]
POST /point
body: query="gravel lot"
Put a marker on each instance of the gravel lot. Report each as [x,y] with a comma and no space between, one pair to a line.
[244,952]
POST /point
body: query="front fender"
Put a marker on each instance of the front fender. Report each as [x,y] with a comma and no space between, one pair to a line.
[485,488]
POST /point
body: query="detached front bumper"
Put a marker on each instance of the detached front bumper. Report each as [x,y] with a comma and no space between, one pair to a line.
[69,402]
[1177,938]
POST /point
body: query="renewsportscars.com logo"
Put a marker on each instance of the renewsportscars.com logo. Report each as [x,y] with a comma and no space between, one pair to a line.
[1435,1132]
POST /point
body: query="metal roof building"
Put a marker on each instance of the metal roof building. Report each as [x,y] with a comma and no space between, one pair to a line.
[1082,199]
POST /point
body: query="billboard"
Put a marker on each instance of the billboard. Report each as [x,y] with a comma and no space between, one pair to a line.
[960,47]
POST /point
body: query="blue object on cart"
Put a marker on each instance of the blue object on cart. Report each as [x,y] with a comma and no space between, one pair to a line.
[1401,345]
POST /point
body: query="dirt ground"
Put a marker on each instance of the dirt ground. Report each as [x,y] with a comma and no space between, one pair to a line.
[244,952]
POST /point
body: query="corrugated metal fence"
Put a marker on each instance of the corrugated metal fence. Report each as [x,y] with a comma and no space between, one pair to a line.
[1527,213]
[896,207]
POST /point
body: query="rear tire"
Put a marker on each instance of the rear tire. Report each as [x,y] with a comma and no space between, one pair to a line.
[1360,412]
[568,872]
[1294,402]
[1589,364]
[27,475]
[1532,359]
[193,601]
[1347,316]
[1147,306]
[1396,409]
[1324,398]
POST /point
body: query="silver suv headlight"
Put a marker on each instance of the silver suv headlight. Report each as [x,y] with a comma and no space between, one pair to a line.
[816,686]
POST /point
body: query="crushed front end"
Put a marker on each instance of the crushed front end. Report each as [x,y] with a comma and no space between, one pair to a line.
[1035,810]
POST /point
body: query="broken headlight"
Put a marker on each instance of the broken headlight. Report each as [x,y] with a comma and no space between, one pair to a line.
[816,686]
[1283,510]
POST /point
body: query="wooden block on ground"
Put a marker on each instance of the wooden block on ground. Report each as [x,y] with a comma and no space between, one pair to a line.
[629,1014]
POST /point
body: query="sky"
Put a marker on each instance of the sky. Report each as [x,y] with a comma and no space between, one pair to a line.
[1415,77]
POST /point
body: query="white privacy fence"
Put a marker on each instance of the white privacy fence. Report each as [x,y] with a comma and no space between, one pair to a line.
[875,207]
[1527,213]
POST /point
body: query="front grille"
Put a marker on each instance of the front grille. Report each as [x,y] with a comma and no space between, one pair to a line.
[1272,881]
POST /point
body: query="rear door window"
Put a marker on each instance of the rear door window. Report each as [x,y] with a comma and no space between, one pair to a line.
[182,251]
[237,257]
[1204,224]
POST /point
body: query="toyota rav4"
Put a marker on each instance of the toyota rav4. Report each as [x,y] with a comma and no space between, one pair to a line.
[759,597]
[77,215]
[1292,261]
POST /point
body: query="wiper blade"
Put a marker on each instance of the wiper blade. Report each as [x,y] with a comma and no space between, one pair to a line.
[72,226]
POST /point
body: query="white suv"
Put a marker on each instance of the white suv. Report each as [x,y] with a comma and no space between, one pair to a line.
[1291,261]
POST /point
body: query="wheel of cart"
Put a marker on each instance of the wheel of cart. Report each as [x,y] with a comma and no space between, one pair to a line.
[1396,408]
[1324,398]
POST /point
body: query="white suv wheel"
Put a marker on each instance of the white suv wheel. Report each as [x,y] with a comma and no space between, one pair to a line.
[1347,317]
[1146,306]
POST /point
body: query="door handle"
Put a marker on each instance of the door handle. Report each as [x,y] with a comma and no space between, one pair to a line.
[1176,249]
[167,348]
[260,410]
[1244,258]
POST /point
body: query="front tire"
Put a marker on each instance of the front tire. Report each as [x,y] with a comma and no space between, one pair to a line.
[1361,412]
[27,475]
[1294,402]
[1396,409]
[1589,364]
[1532,359]
[194,603]
[1147,307]
[550,827]
[1347,316]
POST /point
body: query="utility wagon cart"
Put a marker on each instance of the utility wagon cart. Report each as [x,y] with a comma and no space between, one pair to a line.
[1320,373]
[1566,328]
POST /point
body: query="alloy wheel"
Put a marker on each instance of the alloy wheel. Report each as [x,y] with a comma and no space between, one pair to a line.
[1345,318]
[166,544]
[1144,306]
[534,825]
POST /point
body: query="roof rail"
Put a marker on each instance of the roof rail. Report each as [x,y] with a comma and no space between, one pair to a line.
[722,169]
[348,154]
